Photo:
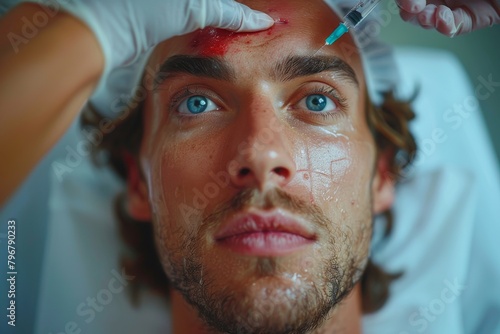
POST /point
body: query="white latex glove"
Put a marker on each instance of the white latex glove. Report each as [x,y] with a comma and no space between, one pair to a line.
[126,29]
[451,17]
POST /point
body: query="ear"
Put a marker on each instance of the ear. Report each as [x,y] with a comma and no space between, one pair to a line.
[383,185]
[137,204]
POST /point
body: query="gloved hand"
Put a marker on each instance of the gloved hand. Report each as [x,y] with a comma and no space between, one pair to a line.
[451,17]
[126,29]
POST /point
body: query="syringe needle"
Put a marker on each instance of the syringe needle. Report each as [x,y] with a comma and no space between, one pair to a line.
[319,50]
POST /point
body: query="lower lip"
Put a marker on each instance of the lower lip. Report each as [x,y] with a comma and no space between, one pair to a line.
[265,243]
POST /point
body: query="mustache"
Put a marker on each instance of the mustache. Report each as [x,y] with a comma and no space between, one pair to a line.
[272,199]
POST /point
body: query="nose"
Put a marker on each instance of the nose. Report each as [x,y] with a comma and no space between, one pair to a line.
[262,157]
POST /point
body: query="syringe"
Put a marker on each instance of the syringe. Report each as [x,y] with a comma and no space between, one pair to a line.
[351,20]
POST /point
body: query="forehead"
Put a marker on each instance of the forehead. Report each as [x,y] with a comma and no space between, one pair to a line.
[301,28]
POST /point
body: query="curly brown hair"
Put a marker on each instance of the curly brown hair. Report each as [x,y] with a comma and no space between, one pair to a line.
[389,125]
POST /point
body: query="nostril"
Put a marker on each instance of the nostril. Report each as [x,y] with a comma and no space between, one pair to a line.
[244,172]
[283,172]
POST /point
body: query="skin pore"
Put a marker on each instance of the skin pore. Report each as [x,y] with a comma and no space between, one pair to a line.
[252,124]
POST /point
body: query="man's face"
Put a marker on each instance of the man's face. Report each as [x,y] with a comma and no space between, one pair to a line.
[260,169]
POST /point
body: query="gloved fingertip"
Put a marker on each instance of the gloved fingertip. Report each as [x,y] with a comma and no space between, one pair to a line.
[257,21]
[407,17]
[264,20]
[426,17]
[411,6]
[445,22]
[448,18]
[455,31]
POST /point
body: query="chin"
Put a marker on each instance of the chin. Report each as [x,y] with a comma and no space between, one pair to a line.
[270,304]
[271,297]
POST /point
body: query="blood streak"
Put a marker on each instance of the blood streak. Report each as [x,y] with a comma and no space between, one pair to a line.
[212,42]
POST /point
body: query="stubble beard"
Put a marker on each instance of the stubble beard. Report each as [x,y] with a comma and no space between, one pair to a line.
[272,300]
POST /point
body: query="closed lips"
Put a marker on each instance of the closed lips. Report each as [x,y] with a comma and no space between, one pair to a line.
[262,222]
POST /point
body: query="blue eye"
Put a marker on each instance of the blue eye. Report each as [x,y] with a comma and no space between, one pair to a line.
[319,103]
[196,105]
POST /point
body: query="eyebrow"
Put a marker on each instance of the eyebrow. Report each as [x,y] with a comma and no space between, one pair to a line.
[285,70]
[209,67]
[300,66]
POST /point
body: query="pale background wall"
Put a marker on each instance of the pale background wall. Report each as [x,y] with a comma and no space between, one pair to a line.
[479,52]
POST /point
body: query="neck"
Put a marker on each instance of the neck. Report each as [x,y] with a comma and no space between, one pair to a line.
[344,319]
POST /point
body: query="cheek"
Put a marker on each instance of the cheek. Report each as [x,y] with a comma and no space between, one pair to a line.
[188,177]
[336,173]
[323,167]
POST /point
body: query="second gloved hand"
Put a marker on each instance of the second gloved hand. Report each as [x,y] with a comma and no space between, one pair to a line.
[451,17]
[126,29]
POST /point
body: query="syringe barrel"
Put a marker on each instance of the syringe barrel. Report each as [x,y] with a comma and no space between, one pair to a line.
[359,12]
